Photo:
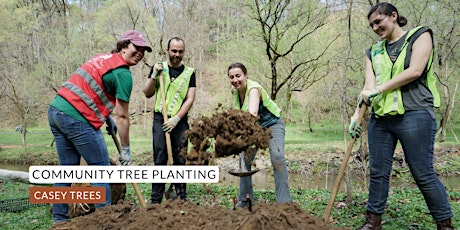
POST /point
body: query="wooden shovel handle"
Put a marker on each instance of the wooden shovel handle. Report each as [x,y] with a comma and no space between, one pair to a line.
[165,118]
[338,180]
[136,188]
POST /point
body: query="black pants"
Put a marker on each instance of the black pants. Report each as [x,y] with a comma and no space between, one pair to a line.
[160,154]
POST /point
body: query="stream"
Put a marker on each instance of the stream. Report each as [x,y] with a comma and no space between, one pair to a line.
[265,180]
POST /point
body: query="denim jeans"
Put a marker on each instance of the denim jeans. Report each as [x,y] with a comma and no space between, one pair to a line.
[415,130]
[276,146]
[75,139]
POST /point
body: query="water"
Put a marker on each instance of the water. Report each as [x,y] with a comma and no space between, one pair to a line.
[264,180]
[24,168]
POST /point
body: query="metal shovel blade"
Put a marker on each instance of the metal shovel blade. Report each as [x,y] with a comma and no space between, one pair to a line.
[243,171]
[243,174]
[170,193]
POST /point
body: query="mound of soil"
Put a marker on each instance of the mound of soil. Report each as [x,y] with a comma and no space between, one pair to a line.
[187,215]
[227,132]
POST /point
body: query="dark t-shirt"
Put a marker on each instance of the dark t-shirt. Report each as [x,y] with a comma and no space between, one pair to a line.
[175,72]
[393,49]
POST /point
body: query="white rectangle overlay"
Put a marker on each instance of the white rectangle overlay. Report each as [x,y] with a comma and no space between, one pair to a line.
[123,174]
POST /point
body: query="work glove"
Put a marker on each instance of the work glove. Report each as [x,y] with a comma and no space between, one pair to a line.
[169,125]
[351,128]
[154,70]
[111,126]
[368,95]
[125,156]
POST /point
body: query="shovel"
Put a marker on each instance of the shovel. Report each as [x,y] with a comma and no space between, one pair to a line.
[243,158]
[136,188]
[338,180]
[169,193]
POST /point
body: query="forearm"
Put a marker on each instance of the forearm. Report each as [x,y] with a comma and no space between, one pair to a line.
[402,79]
[254,101]
[123,130]
[356,113]
[121,110]
[150,87]
[188,103]
[186,106]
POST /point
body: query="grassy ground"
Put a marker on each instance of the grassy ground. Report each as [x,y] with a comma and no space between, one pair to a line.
[406,207]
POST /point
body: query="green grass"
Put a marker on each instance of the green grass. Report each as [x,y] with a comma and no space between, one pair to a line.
[40,137]
[38,149]
[39,144]
[298,134]
[35,218]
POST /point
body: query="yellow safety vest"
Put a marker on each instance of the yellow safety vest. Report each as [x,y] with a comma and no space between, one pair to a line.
[176,91]
[390,102]
[266,100]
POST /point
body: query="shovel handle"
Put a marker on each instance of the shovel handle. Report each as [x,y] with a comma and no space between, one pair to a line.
[338,180]
[139,195]
[117,143]
[165,118]
[136,188]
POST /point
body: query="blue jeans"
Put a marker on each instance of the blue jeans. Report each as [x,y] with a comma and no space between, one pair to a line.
[276,146]
[75,139]
[415,130]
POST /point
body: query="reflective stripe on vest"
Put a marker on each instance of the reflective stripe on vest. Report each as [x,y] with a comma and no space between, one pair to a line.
[85,90]
[176,91]
[266,100]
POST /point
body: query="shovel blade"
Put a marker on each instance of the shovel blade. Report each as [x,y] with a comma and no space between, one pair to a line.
[243,174]
[170,193]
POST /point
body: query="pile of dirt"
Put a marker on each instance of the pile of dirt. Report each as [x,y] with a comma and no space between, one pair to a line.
[227,132]
[187,215]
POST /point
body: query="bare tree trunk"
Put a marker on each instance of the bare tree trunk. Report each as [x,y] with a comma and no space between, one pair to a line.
[24,133]
[15,98]
[448,113]
[343,99]
[344,114]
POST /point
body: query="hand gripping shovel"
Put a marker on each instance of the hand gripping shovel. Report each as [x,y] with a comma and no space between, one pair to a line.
[136,188]
[169,194]
[338,180]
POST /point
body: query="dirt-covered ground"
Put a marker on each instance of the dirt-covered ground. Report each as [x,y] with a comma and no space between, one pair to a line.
[187,215]
[229,132]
